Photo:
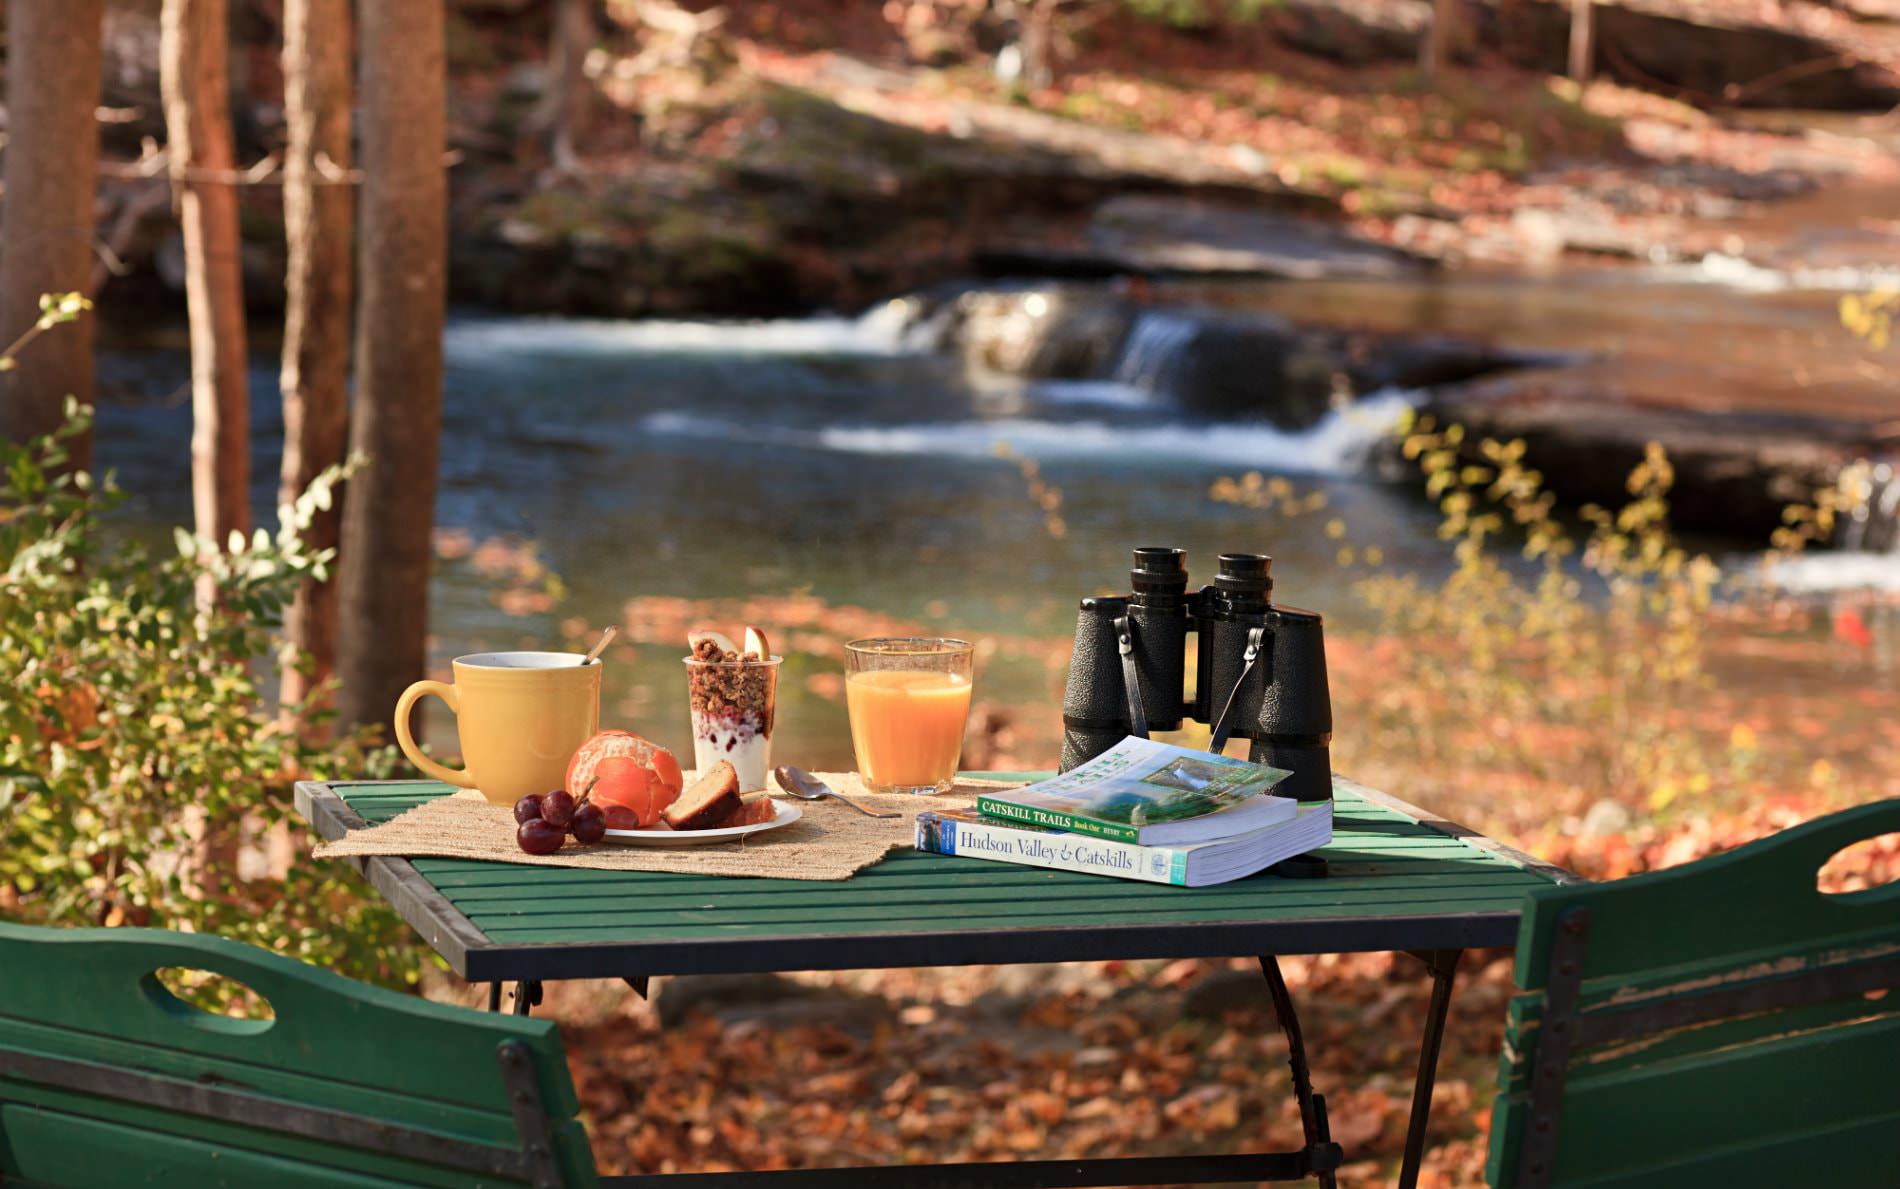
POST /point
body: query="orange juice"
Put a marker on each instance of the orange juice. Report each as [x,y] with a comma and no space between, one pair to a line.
[907,725]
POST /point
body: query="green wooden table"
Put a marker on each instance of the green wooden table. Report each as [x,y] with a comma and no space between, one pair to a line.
[1402,879]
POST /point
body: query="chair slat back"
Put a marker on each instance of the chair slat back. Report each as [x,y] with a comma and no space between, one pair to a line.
[103,1070]
[1724,1023]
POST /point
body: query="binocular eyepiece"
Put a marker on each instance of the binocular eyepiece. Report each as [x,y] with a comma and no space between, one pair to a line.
[1260,669]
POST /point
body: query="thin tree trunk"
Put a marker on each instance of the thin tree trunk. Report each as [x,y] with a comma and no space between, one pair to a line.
[194,56]
[402,266]
[46,226]
[1582,39]
[1440,35]
[1038,43]
[318,219]
[561,106]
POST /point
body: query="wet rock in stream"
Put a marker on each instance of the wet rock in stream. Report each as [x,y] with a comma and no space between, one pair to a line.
[1174,234]
[1213,364]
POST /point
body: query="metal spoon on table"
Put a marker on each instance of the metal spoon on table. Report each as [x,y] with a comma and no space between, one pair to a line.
[806,787]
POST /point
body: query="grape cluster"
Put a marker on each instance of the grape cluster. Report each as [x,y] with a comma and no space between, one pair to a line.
[546,819]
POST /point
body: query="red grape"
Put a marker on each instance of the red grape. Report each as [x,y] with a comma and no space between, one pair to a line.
[539,837]
[589,825]
[557,808]
[619,817]
[528,809]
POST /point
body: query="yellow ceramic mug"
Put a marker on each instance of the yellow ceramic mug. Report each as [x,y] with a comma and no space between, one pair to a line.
[520,716]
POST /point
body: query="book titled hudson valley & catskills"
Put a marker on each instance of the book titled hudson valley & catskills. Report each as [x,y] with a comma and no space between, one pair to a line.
[972,835]
[1141,810]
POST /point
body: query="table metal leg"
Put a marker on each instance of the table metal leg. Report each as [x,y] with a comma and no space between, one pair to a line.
[1324,1153]
[527,994]
[494,996]
[1444,966]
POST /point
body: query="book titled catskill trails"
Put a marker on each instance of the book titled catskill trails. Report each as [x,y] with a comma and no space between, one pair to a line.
[972,835]
[1150,794]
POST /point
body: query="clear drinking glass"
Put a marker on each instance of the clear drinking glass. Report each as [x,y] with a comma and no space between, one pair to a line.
[908,698]
[734,705]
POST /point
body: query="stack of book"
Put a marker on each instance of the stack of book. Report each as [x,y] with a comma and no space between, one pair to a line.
[1140,810]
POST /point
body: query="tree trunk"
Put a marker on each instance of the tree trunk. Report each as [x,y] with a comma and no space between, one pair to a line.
[1440,37]
[402,266]
[1037,42]
[194,56]
[46,226]
[561,106]
[1582,37]
[318,223]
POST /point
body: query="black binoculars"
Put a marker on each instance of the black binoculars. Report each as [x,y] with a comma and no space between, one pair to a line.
[1260,671]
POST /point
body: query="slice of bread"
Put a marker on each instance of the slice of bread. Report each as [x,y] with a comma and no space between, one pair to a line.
[708,801]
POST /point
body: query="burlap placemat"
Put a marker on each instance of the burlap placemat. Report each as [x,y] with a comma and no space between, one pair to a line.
[830,840]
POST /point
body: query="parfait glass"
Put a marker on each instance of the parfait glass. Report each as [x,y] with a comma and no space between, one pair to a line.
[734,705]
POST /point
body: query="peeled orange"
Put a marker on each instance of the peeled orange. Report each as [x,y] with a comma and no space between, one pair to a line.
[632,779]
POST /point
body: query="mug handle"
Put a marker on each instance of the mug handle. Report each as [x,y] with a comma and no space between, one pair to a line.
[407,741]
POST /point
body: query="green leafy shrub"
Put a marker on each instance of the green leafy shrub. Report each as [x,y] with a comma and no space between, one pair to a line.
[1574,667]
[142,768]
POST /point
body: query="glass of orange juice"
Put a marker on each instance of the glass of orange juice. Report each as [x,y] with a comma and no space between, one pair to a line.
[908,698]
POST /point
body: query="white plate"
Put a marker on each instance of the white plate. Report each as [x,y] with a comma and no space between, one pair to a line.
[786,815]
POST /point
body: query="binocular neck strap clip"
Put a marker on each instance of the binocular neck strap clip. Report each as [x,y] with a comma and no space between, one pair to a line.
[1224,725]
[1131,677]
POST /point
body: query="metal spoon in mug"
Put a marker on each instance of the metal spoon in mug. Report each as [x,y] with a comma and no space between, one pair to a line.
[600,645]
[806,787]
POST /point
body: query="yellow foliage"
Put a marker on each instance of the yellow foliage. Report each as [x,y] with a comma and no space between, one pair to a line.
[1870,316]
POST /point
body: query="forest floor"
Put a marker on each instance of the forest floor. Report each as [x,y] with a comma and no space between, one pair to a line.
[801,157]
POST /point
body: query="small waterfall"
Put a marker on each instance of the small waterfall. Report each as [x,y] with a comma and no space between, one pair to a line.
[1218,366]
[908,325]
[1151,353]
[1873,525]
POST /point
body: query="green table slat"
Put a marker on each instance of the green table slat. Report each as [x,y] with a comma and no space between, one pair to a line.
[813,902]
[927,918]
[1421,887]
[597,885]
[700,925]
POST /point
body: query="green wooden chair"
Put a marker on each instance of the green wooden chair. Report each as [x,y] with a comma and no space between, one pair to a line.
[108,1079]
[1722,1025]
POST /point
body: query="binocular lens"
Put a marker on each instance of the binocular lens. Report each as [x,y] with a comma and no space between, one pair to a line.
[1250,573]
[1159,568]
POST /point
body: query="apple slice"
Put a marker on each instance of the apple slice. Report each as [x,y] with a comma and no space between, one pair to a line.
[755,642]
[723,641]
